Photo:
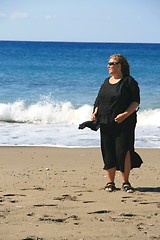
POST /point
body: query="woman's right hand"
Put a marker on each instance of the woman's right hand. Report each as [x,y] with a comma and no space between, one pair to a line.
[93,117]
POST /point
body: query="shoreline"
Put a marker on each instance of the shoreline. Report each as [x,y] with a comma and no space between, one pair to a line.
[67,147]
[53,193]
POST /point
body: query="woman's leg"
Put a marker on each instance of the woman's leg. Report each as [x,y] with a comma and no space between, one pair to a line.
[109,156]
[127,168]
[111,174]
[110,187]
[125,175]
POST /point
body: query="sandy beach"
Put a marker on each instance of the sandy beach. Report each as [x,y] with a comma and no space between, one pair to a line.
[57,193]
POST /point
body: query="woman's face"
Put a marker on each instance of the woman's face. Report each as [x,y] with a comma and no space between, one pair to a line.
[113,66]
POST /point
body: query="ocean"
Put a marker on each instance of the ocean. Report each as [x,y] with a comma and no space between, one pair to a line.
[49,88]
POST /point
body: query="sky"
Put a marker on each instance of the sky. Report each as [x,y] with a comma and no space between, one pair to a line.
[80,20]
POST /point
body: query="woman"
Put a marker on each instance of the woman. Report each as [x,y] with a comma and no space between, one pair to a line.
[115,110]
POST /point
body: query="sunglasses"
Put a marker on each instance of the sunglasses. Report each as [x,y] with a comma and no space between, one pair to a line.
[112,63]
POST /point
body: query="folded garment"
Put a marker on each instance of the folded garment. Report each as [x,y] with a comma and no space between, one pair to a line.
[93,125]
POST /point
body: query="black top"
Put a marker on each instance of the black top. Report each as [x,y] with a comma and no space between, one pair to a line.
[114,99]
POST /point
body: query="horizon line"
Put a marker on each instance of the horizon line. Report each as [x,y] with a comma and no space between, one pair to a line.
[101,42]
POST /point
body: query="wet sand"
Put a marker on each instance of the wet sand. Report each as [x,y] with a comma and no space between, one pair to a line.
[57,193]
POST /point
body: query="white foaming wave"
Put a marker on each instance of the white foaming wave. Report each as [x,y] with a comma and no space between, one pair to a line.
[150,117]
[48,112]
[44,113]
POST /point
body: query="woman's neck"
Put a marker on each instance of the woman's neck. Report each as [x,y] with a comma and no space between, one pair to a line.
[117,76]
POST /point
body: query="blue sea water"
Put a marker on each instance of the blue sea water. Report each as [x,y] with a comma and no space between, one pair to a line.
[48,88]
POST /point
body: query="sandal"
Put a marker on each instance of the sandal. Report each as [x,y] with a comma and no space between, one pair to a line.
[126,186]
[110,187]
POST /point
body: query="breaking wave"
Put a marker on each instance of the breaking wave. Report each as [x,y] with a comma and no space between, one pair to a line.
[61,113]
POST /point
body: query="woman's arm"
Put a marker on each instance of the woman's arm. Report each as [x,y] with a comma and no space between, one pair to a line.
[122,116]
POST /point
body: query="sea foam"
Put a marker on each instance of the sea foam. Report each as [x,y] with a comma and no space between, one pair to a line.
[62,113]
[44,113]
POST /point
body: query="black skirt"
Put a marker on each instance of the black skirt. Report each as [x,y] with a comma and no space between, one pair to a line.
[116,141]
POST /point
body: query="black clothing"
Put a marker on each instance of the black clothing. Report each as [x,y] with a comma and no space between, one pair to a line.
[117,139]
[93,125]
[114,99]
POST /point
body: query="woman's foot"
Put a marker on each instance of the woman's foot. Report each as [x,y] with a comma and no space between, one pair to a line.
[126,186]
[110,187]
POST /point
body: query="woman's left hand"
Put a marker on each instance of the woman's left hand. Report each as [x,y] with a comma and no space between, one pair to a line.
[121,117]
